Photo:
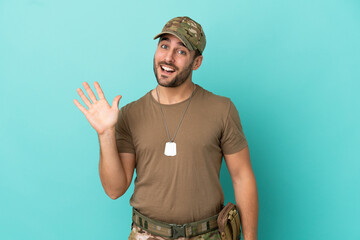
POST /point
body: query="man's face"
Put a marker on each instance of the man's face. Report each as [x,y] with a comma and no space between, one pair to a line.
[173,62]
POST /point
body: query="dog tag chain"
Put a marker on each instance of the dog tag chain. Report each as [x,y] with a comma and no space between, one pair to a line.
[170,146]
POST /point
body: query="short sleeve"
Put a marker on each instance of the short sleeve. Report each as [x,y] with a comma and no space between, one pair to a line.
[123,137]
[233,138]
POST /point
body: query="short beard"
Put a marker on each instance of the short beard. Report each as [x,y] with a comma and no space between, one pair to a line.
[179,79]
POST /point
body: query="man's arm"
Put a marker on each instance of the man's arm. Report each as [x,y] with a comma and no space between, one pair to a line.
[246,197]
[116,169]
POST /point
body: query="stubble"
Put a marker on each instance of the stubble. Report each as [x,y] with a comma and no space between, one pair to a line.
[179,79]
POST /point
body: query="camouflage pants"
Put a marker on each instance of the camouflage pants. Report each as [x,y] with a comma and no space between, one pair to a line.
[139,234]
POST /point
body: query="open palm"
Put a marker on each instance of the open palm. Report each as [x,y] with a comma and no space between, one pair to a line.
[100,114]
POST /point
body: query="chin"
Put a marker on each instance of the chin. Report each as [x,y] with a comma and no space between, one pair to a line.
[165,83]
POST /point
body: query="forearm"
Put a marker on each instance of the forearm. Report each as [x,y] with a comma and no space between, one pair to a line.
[111,170]
[248,204]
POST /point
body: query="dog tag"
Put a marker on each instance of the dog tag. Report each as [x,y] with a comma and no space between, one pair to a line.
[170,149]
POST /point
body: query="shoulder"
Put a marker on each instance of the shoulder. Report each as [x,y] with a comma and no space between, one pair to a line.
[215,101]
[136,105]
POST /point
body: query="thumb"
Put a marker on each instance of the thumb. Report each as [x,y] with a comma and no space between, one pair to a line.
[116,101]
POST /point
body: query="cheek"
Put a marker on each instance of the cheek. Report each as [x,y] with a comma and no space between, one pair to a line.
[158,55]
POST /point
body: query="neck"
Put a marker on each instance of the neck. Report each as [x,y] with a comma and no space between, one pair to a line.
[174,95]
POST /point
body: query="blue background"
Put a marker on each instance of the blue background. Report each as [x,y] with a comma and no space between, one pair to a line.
[292,68]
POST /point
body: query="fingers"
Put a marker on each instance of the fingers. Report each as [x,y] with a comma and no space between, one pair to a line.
[81,107]
[84,98]
[116,100]
[99,90]
[89,92]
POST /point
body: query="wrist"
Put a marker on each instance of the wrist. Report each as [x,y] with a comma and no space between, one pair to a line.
[110,132]
[249,237]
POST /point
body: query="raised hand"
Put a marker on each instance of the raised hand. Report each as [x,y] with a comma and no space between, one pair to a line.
[100,114]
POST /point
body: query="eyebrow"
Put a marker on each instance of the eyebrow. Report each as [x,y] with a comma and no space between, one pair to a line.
[168,40]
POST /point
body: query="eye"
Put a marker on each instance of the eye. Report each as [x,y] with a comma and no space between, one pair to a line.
[163,46]
[182,52]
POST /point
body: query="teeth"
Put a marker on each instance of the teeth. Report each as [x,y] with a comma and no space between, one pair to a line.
[167,69]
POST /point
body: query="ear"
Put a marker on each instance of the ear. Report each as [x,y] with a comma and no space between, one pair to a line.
[197,62]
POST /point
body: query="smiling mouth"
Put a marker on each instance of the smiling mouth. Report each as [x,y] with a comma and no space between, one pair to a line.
[166,69]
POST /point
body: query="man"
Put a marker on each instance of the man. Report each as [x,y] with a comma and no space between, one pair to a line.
[175,136]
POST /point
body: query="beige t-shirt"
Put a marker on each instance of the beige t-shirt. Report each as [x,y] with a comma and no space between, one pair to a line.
[186,187]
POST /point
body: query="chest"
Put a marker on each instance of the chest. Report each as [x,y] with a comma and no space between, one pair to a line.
[198,130]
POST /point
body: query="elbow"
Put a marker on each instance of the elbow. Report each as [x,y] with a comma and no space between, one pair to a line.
[114,195]
[248,179]
[114,192]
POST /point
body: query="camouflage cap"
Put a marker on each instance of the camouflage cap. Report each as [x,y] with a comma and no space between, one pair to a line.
[188,31]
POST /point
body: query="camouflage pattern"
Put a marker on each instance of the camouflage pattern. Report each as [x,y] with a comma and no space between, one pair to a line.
[139,234]
[188,31]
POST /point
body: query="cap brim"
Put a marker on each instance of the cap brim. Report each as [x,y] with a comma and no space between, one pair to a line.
[182,39]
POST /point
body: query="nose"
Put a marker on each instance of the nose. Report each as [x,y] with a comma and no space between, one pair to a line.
[169,57]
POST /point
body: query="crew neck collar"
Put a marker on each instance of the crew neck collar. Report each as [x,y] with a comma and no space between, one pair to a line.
[175,104]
